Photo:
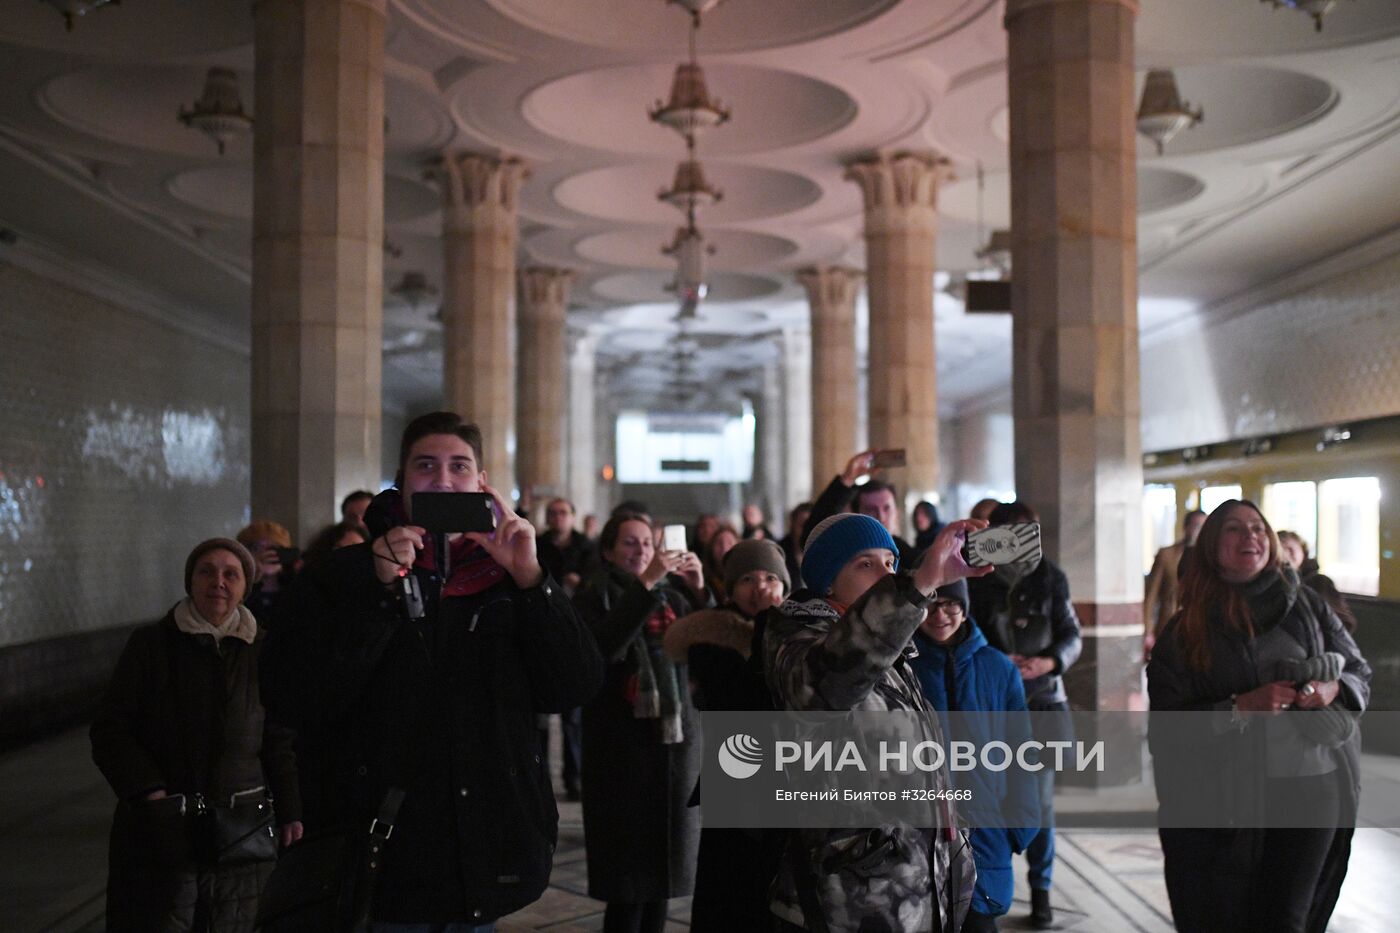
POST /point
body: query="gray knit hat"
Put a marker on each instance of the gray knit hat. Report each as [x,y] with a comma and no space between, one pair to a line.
[250,566]
[755,554]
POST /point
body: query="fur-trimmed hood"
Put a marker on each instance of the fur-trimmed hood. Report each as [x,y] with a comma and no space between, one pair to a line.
[723,628]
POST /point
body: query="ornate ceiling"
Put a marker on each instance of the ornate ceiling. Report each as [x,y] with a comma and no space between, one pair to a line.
[1297,159]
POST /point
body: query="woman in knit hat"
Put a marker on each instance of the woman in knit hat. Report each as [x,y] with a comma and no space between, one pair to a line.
[182,722]
[844,644]
[735,866]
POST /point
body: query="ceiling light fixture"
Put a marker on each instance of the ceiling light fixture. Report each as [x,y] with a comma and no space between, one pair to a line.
[72,9]
[413,288]
[688,249]
[1162,113]
[689,189]
[218,113]
[690,110]
[697,7]
[997,253]
[1314,8]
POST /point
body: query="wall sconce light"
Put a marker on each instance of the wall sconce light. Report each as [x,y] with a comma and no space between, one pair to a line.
[1192,454]
[1257,446]
[1333,436]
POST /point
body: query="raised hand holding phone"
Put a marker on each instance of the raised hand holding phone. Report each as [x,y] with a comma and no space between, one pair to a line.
[512,544]
[943,562]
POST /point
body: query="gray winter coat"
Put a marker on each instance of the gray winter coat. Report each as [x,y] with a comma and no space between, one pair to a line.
[863,879]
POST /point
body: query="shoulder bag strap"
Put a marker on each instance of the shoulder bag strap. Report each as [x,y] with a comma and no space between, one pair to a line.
[371,860]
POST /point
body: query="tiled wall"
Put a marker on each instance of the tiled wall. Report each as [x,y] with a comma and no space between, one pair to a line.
[1326,354]
[1329,353]
[123,442]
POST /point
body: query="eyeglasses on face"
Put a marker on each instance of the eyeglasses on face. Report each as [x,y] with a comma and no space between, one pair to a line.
[949,607]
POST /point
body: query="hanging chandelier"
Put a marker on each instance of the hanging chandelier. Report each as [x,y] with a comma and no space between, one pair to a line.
[218,113]
[1162,113]
[697,7]
[689,189]
[413,288]
[996,252]
[1314,8]
[690,110]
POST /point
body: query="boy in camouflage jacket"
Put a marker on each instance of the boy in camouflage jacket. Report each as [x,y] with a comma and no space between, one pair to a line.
[843,644]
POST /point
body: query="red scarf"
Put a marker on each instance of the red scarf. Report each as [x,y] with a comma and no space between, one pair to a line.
[473,570]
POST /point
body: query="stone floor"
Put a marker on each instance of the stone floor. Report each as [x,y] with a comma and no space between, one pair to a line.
[56,808]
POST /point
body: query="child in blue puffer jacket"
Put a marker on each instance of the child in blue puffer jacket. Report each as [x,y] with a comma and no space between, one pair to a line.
[961,673]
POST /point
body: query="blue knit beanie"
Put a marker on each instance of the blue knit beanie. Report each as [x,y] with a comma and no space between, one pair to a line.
[833,543]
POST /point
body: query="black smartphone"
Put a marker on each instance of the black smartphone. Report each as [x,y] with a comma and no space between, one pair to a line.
[451,512]
[1003,544]
[288,556]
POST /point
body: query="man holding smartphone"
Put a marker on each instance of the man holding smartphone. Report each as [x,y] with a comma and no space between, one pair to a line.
[876,498]
[433,691]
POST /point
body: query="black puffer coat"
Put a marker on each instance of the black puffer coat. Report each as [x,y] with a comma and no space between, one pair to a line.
[184,715]
[443,708]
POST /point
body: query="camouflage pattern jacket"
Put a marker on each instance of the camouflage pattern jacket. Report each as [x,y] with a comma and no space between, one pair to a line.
[884,878]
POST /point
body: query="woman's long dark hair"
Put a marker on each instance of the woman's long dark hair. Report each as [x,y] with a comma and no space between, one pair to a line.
[1206,594]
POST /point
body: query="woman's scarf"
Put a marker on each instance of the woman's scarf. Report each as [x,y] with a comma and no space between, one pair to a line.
[1268,597]
[654,686]
[239,623]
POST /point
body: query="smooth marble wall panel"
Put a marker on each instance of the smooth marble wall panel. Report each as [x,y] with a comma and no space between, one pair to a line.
[123,442]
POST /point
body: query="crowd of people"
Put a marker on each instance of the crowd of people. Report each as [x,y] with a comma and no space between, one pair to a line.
[355,736]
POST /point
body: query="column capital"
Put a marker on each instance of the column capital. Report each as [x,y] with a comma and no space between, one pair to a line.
[903,179]
[475,181]
[544,291]
[831,290]
[1015,8]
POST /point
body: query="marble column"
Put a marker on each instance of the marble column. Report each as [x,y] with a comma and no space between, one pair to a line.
[796,357]
[318,240]
[544,299]
[582,473]
[901,224]
[1074,319]
[831,296]
[480,194]
[767,486]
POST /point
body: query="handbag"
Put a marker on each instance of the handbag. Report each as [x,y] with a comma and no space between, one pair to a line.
[325,883]
[240,832]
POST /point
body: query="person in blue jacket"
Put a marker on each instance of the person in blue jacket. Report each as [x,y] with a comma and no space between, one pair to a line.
[961,673]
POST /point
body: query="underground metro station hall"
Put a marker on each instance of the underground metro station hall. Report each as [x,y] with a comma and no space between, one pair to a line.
[451,449]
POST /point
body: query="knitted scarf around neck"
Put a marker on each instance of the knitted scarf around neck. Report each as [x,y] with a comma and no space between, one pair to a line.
[654,684]
[1268,597]
[239,623]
